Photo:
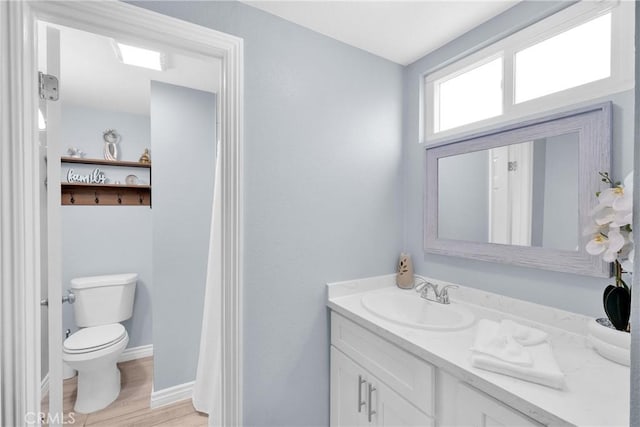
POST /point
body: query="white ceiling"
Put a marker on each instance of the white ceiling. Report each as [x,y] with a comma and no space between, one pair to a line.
[91,75]
[400,31]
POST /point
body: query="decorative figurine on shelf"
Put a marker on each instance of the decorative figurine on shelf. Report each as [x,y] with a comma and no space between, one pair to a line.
[145,158]
[111,139]
[75,152]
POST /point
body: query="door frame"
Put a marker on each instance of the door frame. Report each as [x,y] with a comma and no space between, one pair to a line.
[20,208]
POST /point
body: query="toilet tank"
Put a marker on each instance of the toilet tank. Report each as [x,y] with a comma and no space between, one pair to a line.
[101,300]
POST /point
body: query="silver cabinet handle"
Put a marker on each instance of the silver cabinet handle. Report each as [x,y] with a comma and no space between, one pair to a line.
[361,402]
[371,411]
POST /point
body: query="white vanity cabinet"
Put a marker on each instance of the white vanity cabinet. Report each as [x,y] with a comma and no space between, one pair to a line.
[376,383]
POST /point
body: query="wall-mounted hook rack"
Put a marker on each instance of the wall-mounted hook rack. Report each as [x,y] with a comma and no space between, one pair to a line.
[105,194]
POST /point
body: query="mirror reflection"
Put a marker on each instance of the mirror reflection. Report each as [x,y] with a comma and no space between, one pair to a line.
[523,194]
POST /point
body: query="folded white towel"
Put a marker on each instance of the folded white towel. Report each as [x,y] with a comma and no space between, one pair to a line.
[524,335]
[542,370]
[490,341]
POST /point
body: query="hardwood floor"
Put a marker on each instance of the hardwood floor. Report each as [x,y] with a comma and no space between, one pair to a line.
[131,408]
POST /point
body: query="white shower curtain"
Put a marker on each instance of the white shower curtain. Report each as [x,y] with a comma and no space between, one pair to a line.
[206,391]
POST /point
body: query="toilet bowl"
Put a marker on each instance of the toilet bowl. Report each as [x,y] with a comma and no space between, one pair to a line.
[101,302]
[94,352]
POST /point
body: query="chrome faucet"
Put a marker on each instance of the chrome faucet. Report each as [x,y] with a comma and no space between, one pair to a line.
[441,295]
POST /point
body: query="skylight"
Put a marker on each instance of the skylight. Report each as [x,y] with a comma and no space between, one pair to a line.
[139,57]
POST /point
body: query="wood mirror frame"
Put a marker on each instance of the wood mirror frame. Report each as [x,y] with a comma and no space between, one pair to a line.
[593,125]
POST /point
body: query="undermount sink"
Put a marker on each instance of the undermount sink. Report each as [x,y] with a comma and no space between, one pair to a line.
[409,309]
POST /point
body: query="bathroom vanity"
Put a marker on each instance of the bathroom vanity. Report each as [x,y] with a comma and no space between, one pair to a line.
[390,373]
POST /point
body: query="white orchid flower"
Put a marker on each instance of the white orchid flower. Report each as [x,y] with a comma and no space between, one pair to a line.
[608,245]
[604,215]
[620,219]
[593,229]
[627,264]
[599,207]
[624,202]
[616,242]
[611,227]
[619,198]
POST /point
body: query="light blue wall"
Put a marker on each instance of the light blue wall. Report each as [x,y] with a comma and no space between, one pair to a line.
[183,131]
[567,291]
[323,199]
[83,127]
[100,240]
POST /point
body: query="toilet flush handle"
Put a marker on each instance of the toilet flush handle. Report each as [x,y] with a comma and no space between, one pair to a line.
[70,297]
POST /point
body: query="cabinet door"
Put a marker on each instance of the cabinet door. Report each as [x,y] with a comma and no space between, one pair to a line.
[395,411]
[360,399]
[475,409]
[348,392]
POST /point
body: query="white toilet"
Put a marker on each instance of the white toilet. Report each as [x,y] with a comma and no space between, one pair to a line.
[101,302]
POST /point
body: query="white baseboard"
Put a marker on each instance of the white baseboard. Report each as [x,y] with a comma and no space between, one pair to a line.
[133,353]
[44,386]
[170,395]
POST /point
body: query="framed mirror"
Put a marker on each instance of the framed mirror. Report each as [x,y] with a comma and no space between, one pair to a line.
[520,194]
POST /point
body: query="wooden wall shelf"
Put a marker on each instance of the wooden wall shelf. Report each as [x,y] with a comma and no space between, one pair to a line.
[82,194]
[104,162]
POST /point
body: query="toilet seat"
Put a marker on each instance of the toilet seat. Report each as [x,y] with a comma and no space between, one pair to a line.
[95,338]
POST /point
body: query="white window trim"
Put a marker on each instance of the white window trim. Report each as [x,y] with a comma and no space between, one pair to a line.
[621,79]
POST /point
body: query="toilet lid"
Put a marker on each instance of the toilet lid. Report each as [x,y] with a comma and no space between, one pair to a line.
[94,338]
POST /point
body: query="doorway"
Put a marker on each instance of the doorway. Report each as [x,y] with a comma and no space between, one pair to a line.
[137,25]
[165,113]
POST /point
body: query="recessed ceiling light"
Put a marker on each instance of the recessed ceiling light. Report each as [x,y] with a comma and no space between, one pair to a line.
[146,58]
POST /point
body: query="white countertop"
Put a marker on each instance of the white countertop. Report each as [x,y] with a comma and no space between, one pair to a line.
[596,391]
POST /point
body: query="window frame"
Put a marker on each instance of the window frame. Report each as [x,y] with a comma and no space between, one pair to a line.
[620,79]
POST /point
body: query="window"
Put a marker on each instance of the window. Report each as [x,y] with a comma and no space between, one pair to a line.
[474,95]
[572,58]
[580,53]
